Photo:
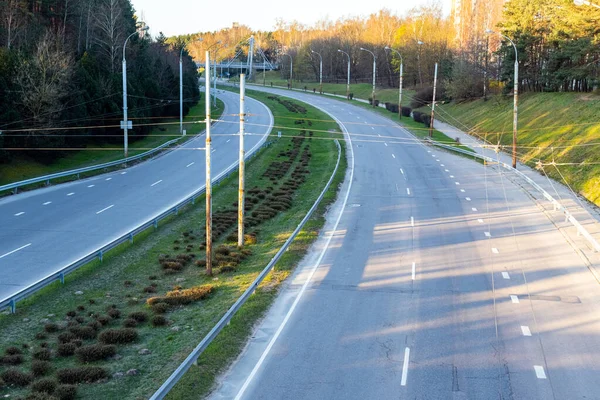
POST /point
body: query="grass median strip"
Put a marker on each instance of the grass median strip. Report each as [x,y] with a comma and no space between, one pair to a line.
[118,330]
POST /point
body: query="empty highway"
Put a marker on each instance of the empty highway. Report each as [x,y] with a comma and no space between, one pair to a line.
[435,278]
[45,230]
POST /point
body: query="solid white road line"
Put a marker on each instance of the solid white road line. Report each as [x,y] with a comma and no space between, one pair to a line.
[189,165]
[405,367]
[408,191]
[393,156]
[19,213]
[414,272]
[487,234]
[308,278]
[15,250]
[91,186]
[412,221]
[514,299]
[505,275]
[104,209]
[495,250]
[526,331]
[480,221]
[70,194]
[539,372]
[46,203]
[156,183]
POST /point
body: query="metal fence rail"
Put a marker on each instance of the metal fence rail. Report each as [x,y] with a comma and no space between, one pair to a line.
[47,178]
[11,301]
[556,204]
[189,361]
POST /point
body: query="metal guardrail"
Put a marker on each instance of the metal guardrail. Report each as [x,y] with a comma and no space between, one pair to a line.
[556,204]
[189,361]
[47,178]
[11,301]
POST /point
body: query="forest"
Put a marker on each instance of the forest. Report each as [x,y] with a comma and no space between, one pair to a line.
[61,76]
[556,40]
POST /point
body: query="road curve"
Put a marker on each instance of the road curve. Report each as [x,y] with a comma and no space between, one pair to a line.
[44,230]
[443,280]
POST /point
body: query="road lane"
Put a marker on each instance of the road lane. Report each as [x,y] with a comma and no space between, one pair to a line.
[81,216]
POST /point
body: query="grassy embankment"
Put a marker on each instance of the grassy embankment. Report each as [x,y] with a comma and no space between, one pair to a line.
[564,127]
[283,181]
[24,166]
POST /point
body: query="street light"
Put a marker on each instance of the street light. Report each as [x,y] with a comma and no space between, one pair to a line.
[374,72]
[320,71]
[214,72]
[419,43]
[181,87]
[400,83]
[348,81]
[516,98]
[125,122]
[291,68]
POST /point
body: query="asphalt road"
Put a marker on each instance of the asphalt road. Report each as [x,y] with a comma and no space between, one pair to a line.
[442,280]
[44,230]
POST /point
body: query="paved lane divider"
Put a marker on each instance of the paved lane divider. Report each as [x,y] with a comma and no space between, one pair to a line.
[15,250]
[405,367]
[104,209]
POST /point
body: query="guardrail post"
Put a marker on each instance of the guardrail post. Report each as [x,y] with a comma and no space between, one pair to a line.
[15,190]
[155,224]
[176,210]
[131,238]
[13,306]
[77,176]
[100,255]
[48,182]
[62,278]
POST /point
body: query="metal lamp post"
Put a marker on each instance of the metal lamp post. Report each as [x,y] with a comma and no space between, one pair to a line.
[291,68]
[320,71]
[374,72]
[125,122]
[181,88]
[400,82]
[348,74]
[516,98]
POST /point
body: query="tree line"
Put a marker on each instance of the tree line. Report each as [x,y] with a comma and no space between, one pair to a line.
[556,40]
[61,76]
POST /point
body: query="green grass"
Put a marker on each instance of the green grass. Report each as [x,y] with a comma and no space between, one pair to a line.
[559,127]
[24,166]
[126,272]
[360,90]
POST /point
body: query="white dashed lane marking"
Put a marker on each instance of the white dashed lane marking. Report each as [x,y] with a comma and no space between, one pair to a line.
[15,250]
[108,179]
[505,275]
[539,372]
[104,209]
[514,299]
[46,203]
[91,186]
[70,194]
[189,165]
[19,213]
[495,250]
[526,331]
[393,156]
[156,183]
